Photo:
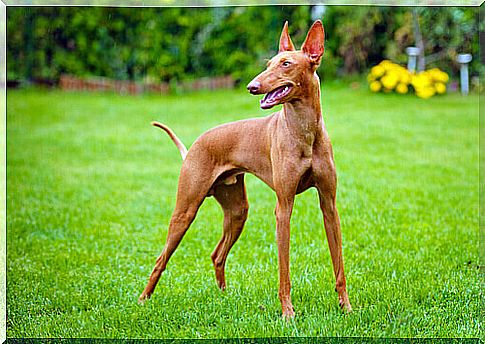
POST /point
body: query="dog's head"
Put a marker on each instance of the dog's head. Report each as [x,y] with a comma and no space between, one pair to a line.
[289,73]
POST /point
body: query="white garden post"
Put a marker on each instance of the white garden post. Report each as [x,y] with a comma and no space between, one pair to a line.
[413,53]
[463,60]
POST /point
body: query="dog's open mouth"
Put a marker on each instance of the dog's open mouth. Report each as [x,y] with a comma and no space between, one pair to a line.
[274,97]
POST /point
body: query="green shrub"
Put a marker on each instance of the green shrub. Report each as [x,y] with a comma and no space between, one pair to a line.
[161,44]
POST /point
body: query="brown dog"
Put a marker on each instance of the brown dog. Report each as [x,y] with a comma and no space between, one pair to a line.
[289,150]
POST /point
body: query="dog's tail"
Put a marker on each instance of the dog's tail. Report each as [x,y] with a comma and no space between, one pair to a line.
[175,139]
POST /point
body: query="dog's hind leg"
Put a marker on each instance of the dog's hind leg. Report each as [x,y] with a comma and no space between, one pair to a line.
[234,203]
[192,190]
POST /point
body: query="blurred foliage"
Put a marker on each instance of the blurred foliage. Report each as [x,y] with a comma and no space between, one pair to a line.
[366,35]
[183,43]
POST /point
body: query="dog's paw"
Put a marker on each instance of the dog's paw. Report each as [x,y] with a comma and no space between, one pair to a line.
[221,285]
[289,313]
[143,299]
[345,304]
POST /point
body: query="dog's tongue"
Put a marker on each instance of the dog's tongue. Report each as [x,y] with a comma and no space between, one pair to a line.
[270,97]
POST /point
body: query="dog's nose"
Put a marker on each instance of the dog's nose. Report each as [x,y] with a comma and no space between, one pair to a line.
[254,87]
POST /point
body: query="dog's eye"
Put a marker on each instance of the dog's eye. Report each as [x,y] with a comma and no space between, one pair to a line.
[286,63]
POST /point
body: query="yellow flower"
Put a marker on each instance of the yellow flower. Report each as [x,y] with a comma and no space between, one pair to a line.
[405,77]
[438,75]
[370,77]
[415,81]
[377,71]
[445,77]
[375,86]
[389,81]
[442,77]
[399,68]
[433,72]
[386,64]
[440,87]
[420,80]
[401,88]
[425,92]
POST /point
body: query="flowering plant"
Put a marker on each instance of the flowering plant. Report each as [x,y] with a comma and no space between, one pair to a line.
[388,77]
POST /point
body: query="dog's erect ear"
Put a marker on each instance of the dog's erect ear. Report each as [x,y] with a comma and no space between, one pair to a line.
[285,41]
[314,43]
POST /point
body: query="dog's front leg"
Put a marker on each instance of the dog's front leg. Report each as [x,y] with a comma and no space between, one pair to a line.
[326,183]
[284,207]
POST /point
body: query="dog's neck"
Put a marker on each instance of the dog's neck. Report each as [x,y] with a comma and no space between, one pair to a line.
[303,115]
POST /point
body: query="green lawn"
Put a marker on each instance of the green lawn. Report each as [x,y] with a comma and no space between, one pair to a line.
[91,186]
